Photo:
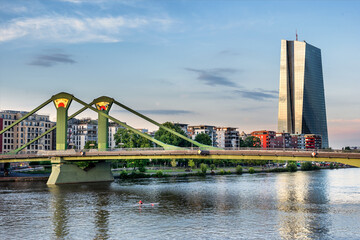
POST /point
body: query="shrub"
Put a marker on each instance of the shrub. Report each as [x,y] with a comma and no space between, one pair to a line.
[291,167]
[222,172]
[228,172]
[123,174]
[199,173]
[159,174]
[142,169]
[251,170]
[331,166]
[316,167]
[203,168]
[306,166]
[277,170]
[212,167]
[239,169]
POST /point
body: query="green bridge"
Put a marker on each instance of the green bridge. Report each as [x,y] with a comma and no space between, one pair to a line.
[64,171]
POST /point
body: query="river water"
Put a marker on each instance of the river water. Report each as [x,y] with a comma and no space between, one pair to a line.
[303,205]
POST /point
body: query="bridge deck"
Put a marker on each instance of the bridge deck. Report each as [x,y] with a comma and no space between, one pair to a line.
[346,158]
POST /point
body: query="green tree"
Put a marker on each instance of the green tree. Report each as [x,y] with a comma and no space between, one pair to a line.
[238,169]
[169,138]
[173,163]
[203,168]
[251,141]
[291,167]
[306,166]
[191,163]
[90,145]
[139,164]
[125,138]
[203,138]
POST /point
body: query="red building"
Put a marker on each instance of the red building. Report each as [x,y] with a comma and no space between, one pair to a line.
[312,141]
[267,138]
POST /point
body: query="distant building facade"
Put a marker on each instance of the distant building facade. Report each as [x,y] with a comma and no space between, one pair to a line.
[81,131]
[267,138]
[183,127]
[193,131]
[227,137]
[301,91]
[25,131]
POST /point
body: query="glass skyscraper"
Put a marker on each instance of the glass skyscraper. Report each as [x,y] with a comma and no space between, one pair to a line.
[301,91]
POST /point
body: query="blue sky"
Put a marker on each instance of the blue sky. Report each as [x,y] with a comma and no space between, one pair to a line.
[197,62]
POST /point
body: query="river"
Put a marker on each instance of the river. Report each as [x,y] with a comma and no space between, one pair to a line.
[303,205]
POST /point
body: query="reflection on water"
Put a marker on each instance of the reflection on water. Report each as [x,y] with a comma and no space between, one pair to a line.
[302,205]
[60,212]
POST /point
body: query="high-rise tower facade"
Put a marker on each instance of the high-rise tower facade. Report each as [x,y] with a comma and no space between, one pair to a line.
[301,91]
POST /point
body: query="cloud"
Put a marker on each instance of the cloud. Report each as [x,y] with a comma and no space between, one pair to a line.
[161,112]
[253,109]
[258,94]
[51,59]
[75,30]
[216,76]
[13,9]
[229,53]
[166,112]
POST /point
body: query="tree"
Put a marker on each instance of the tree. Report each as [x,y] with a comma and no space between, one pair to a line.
[169,138]
[191,163]
[252,141]
[203,168]
[90,145]
[173,163]
[203,138]
[128,139]
[291,167]
[139,164]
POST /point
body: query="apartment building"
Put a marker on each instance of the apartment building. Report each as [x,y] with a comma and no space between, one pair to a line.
[81,131]
[25,131]
[209,130]
[227,137]
[267,138]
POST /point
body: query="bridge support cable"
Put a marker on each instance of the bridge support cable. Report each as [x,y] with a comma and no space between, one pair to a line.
[47,132]
[201,146]
[26,116]
[164,145]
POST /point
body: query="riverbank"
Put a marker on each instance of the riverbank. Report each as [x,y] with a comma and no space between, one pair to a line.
[42,176]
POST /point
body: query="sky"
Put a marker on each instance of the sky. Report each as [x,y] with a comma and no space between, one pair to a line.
[189,61]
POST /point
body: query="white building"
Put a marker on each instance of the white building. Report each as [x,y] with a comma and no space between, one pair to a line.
[227,137]
[209,130]
[84,130]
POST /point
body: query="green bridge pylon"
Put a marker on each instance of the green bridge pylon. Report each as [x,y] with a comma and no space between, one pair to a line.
[103,104]
[62,103]
[65,172]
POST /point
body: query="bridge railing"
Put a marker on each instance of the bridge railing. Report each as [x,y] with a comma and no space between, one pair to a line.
[74,151]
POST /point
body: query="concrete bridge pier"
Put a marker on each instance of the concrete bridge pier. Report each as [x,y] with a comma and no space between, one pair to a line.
[64,172]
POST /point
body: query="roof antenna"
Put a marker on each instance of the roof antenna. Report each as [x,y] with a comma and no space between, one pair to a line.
[296,35]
